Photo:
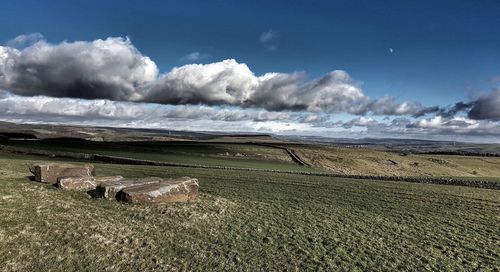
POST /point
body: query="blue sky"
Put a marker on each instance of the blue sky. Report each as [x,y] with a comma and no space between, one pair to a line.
[442,49]
[433,52]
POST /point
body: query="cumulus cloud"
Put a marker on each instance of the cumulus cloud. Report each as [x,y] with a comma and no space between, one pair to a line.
[334,92]
[226,82]
[232,83]
[114,69]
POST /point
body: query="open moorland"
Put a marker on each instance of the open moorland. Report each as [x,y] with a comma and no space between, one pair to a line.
[275,217]
[276,156]
[383,162]
[262,221]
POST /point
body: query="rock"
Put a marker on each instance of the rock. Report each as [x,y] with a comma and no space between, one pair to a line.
[84,183]
[77,184]
[50,172]
[169,190]
[392,162]
[109,189]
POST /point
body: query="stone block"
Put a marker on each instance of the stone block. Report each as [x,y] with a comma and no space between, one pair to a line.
[109,189]
[168,190]
[84,183]
[50,172]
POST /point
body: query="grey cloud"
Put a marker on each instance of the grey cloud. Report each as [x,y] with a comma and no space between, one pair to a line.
[425,110]
[389,106]
[111,69]
[455,109]
[486,107]
[400,122]
[314,119]
[183,112]
[232,83]
[276,91]
[118,113]
[334,92]
[76,109]
[228,115]
[360,122]
[264,116]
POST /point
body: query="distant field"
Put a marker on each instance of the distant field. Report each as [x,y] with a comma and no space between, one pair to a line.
[338,160]
[364,161]
[248,221]
[212,154]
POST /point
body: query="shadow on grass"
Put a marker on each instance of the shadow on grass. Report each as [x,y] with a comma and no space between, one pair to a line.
[30,178]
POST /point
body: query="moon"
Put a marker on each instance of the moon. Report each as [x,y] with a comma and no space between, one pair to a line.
[391,50]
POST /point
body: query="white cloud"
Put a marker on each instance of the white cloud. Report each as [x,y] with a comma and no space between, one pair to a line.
[76,109]
[267,36]
[194,56]
[215,118]
[226,82]
[24,40]
[457,123]
[269,39]
[114,69]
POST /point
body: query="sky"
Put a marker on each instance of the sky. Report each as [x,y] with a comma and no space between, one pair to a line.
[391,69]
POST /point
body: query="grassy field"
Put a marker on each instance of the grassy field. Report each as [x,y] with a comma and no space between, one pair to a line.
[364,161]
[248,221]
[347,161]
[211,154]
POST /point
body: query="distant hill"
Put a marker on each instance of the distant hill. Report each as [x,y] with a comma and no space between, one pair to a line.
[45,131]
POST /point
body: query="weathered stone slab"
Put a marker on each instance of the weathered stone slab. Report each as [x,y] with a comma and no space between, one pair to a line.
[84,183]
[50,172]
[109,189]
[169,190]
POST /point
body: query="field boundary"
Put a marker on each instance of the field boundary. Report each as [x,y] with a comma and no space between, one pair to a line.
[123,160]
[291,152]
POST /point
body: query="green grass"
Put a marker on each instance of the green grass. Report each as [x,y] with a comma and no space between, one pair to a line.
[211,154]
[248,221]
